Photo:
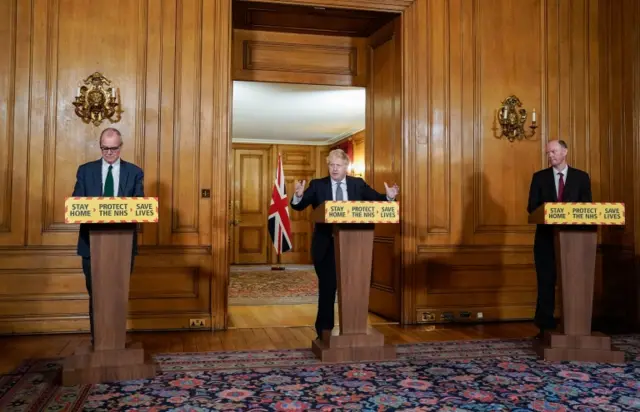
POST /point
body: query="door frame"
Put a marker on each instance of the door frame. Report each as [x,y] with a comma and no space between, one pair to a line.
[222,110]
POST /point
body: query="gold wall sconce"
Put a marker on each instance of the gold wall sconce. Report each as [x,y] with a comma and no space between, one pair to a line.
[97,101]
[512,119]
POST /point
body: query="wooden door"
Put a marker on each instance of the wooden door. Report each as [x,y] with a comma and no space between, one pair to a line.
[384,160]
[250,203]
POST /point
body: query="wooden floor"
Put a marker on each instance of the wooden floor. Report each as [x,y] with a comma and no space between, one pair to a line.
[283,315]
[14,349]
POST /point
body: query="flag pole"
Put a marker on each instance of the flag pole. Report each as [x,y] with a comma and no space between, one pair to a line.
[279,265]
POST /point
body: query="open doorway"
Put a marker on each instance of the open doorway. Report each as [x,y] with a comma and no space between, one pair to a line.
[306,80]
[300,123]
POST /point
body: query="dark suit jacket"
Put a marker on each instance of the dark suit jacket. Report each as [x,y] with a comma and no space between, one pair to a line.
[320,191]
[89,184]
[577,188]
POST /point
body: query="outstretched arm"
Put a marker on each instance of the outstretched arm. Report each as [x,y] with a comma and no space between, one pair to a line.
[368,193]
[301,202]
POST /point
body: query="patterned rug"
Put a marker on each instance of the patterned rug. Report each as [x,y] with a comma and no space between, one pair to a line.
[445,376]
[259,285]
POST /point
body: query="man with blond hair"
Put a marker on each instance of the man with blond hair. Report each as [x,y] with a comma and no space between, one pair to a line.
[336,186]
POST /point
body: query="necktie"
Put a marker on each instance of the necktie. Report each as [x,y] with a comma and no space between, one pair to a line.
[339,195]
[560,187]
[108,184]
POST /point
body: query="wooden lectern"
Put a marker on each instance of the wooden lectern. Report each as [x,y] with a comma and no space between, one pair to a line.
[576,236]
[353,228]
[111,358]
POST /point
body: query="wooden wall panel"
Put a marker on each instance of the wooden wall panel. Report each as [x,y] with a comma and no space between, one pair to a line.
[299,58]
[471,186]
[175,101]
[619,145]
[13,131]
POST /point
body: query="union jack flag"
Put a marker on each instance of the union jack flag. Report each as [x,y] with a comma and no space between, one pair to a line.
[279,223]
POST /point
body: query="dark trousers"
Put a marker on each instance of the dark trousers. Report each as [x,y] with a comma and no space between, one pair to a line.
[546,274]
[86,268]
[327,286]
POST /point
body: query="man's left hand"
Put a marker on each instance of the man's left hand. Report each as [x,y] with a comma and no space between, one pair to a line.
[392,191]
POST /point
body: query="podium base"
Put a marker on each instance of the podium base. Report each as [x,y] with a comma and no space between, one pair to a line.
[591,348]
[353,347]
[87,366]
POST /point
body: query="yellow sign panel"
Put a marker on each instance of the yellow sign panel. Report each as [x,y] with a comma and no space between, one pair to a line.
[361,212]
[111,209]
[584,214]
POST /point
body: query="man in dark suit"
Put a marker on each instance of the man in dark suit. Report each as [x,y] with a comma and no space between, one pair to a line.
[336,186]
[109,176]
[558,183]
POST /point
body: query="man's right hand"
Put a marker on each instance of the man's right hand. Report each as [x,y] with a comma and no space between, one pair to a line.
[300,187]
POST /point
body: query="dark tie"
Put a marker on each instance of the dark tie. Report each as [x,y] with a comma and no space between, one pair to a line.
[339,195]
[108,184]
[560,187]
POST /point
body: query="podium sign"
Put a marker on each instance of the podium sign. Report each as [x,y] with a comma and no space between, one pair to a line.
[358,212]
[111,210]
[575,242]
[579,214]
[111,357]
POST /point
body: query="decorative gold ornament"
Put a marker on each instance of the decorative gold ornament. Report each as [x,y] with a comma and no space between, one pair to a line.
[512,119]
[97,101]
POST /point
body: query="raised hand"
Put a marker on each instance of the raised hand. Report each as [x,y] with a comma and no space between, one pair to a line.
[392,191]
[300,187]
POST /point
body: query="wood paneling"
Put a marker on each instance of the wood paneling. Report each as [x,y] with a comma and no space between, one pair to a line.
[471,220]
[384,161]
[465,244]
[618,72]
[175,93]
[299,58]
[306,19]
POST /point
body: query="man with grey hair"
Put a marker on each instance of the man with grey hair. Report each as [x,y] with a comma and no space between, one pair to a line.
[336,186]
[109,176]
[557,183]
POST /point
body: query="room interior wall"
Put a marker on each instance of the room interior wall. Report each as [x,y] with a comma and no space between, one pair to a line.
[466,245]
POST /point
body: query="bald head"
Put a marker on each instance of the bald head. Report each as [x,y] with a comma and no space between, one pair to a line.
[557,153]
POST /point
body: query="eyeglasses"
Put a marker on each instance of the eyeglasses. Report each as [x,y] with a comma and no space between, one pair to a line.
[109,149]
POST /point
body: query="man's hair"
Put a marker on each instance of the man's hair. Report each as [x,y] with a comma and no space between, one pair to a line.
[110,130]
[340,154]
[563,144]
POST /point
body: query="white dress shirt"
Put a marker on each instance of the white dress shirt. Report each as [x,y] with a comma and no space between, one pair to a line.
[556,177]
[343,187]
[115,172]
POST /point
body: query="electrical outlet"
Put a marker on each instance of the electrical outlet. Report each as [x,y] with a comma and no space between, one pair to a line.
[446,316]
[428,316]
[465,315]
[480,315]
[206,193]
[196,323]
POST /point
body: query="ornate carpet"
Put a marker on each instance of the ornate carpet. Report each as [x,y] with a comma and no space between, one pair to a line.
[479,375]
[259,285]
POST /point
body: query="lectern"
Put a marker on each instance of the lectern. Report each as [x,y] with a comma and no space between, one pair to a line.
[111,236]
[575,236]
[353,229]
